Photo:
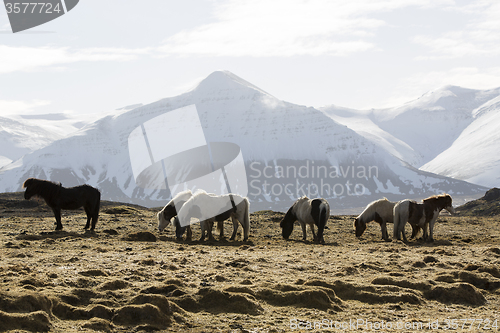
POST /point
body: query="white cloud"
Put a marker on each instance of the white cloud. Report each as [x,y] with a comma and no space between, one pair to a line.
[9,107]
[288,27]
[13,59]
[479,37]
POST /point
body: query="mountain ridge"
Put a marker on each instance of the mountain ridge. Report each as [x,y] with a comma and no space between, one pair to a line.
[271,134]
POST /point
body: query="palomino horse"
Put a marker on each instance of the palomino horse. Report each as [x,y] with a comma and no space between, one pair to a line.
[421,215]
[307,211]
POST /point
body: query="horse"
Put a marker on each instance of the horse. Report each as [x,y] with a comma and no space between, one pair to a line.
[58,197]
[307,211]
[380,211]
[421,215]
[170,210]
[210,208]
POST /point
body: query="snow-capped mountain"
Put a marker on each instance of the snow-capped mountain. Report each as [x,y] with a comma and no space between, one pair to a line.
[21,134]
[473,156]
[420,130]
[289,151]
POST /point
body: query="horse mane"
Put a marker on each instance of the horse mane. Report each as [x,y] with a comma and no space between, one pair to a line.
[199,192]
[43,188]
[40,182]
[436,197]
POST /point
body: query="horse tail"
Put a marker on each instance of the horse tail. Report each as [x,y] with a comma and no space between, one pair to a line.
[323,218]
[396,220]
[246,220]
[96,207]
[320,211]
[98,203]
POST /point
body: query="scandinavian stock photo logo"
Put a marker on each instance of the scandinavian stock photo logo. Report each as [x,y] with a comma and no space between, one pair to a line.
[172,151]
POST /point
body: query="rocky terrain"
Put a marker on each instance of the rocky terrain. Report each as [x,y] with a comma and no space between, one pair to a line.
[127,277]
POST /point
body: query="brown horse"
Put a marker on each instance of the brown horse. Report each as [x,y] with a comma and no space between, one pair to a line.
[58,197]
[421,215]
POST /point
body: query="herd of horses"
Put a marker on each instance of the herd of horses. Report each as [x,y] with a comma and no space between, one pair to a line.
[207,209]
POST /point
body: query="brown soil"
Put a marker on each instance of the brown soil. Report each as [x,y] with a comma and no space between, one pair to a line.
[128,277]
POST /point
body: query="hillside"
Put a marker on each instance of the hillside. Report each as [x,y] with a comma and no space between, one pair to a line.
[488,205]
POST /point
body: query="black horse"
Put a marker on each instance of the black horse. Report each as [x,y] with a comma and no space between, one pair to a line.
[58,197]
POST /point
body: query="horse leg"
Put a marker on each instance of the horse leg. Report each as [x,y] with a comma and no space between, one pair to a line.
[315,239]
[426,234]
[220,226]
[383,226]
[210,225]
[304,232]
[203,228]
[431,231]
[189,234]
[89,216]
[235,228]
[94,221]
[57,214]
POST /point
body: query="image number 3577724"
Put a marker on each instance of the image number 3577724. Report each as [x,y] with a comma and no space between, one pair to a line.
[26,15]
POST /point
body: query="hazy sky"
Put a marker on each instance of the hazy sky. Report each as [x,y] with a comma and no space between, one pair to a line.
[106,54]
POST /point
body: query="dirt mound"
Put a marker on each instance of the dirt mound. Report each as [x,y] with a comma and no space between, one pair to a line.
[37,321]
[122,210]
[133,315]
[456,293]
[216,301]
[488,205]
[141,236]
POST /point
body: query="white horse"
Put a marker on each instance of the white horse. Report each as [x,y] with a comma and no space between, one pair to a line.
[380,211]
[307,211]
[420,215]
[170,210]
[209,208]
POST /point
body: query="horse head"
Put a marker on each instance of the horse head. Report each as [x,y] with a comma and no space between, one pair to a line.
[287,223]
[449,204]
[165,215]
[360,226]
[31,188]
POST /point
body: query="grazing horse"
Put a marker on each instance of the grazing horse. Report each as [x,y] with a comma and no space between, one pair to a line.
[307,211]
[380,211]
[58,197]
[170,210]
[209,208]
[420,215]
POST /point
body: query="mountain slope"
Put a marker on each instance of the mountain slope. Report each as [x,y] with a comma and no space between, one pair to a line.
[22,134]
[473,156]
[288,150]
[422,129]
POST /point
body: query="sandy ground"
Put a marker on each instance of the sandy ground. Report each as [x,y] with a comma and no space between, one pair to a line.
[127,277]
